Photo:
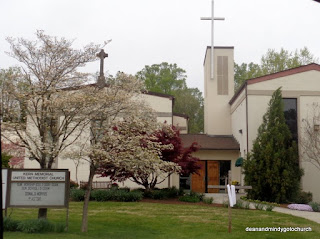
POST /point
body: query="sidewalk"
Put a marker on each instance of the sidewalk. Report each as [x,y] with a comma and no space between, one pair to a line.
[312,216]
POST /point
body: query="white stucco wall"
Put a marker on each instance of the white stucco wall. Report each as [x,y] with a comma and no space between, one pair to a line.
[217,117]
[311,175]
[181,123]
[239,122]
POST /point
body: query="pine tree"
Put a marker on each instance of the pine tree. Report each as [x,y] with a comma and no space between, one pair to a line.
[272,168]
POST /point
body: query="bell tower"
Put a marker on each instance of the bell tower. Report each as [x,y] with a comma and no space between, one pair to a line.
[218,90]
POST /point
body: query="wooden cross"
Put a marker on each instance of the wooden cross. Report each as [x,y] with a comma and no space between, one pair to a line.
[229,181]
[101,79]
[212,19]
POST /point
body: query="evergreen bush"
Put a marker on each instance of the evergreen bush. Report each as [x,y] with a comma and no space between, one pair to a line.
[35,226]
[315,206]
[77,194]
[191,197]
[272,168]
[303,197]
[10,224]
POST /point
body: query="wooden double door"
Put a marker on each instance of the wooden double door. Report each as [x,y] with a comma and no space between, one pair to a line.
[208,175]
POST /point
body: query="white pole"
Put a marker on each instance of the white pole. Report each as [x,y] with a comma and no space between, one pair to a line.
[212,40]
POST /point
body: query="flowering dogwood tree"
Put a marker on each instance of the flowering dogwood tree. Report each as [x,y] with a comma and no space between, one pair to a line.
[16,154]
[131,150]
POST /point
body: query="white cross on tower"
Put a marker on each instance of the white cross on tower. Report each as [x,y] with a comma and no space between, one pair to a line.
[212,18]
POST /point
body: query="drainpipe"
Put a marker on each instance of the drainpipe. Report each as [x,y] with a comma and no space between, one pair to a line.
[246,88]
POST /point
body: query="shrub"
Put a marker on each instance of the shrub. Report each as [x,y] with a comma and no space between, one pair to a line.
[269,207]
[259,206]
[73,184]
[225,203]
[208,200]
[315,206]
[84,185]
[303,197]
[35,226]
[77,194]
[172,192]
[126,189]
[247,205]
[9,224]
[121,195]
[159,194]
[124,196]
[114,186]
[102,195]
[239,204]
[191,197]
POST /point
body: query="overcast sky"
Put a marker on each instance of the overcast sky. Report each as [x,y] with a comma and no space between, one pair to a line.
[146,32]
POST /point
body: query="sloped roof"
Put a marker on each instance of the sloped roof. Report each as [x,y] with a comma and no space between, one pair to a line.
[300,69]
[107,85]
[181,115]
[211,142]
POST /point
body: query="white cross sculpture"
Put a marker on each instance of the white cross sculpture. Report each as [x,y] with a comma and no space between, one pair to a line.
[212,18]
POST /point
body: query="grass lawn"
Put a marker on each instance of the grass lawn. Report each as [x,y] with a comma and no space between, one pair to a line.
[153,220]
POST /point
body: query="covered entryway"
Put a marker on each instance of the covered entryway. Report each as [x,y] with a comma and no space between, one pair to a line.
[211,173]
[217,155]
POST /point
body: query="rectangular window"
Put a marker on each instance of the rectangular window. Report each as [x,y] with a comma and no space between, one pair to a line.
[222,75]
[290,114]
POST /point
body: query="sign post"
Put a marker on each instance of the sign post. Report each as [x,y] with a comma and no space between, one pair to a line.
[4,187]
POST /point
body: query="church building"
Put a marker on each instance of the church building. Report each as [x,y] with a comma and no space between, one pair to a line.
[231,122]
[232,119]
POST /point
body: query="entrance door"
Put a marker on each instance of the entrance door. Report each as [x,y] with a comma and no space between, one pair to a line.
[213,175]
[198,180]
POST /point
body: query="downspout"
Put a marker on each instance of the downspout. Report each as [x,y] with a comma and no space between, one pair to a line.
[246,87]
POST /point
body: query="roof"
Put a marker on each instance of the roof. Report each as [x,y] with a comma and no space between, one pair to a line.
[216,47]
[299,69]
[158,94]
[107,85]
[211,142]
[181,115]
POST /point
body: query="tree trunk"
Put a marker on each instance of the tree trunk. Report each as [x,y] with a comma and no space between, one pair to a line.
[84,226]
[42,213]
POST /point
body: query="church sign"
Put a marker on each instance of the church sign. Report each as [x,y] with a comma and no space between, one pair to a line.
[38,188]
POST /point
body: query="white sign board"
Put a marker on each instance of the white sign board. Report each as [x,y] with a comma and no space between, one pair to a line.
[35,176]
[38,188]
[4,187]
[37,194]
[232,195]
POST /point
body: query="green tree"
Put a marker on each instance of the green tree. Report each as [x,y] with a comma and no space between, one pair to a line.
[272,168]
[170,79]
[163,78]
[244,72]
[189,101]
[272,62]
[5,159]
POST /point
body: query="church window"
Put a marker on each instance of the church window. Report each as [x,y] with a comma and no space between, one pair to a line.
[290,114]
